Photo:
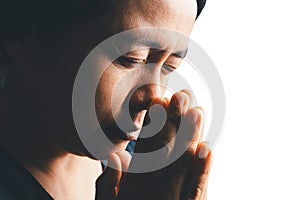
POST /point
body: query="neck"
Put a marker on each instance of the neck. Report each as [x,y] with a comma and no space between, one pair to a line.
[68,176]
[63,175]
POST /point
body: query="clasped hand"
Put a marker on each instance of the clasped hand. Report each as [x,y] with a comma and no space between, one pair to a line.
[185,178]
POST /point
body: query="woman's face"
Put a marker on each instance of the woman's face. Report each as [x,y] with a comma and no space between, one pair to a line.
[42,84]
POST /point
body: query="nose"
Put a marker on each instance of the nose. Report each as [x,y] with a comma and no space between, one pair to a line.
[142,96]
[147,91]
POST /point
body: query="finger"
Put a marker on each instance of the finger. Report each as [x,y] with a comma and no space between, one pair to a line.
[177,107]
[125,158]
[193,131]
[195,185]
[150,189]
[186,144]
[107,183]
[136,186]
[202,116]
[157,100]
[175,176]
[144,145]
[189,133]
[190,95]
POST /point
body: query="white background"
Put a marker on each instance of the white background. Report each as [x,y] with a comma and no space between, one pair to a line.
[256,48]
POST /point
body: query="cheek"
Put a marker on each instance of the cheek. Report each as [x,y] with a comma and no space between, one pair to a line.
[111,93]
[164,83]
[115,88]
[44,96]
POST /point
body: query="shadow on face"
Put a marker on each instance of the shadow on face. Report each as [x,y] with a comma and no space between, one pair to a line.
[44,64]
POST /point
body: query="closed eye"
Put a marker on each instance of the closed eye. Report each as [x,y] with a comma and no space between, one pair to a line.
[167,69]
[130,62]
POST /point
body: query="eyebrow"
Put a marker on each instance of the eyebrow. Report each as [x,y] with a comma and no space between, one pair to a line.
[181,54]
[154,44]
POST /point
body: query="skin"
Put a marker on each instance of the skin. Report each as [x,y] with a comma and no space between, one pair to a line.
[54,153]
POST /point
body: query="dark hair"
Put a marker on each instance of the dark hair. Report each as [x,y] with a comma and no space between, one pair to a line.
[19,17]
[201,4]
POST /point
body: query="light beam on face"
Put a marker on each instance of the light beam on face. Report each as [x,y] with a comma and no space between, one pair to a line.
[89,129]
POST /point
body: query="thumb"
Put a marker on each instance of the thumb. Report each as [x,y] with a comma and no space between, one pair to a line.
[107,183]
[195,186]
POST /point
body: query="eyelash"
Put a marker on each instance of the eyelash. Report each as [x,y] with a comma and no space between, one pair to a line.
[167,69]
[133,62]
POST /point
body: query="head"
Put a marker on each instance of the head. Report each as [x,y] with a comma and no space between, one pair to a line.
[43,58]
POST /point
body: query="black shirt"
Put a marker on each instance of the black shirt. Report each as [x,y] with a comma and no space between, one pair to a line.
[16,183]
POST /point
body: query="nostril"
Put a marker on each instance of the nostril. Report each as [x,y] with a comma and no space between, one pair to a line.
[136,108]
[140,100]
[142,96]
[139,107]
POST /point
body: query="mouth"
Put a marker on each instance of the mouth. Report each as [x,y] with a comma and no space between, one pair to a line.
[131,128]
[117,134]
[132,132]
[133,135]
[127,128]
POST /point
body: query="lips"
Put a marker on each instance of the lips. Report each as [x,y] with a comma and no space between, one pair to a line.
[132,131]
[130,127]
[133,135]
[124,125]
[125,132]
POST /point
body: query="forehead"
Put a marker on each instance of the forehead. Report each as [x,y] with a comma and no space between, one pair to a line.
[149,38]
[176,16]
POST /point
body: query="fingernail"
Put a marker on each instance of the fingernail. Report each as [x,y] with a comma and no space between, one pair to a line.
[203,151]
[180,100]
[193,116]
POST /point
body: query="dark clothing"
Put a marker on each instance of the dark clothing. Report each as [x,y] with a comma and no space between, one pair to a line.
[16,183]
